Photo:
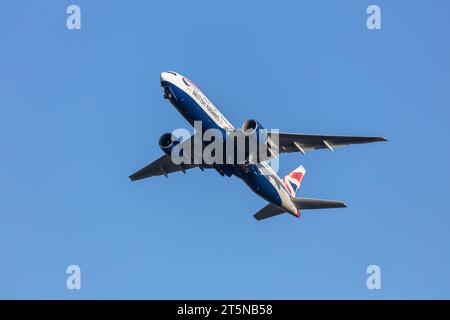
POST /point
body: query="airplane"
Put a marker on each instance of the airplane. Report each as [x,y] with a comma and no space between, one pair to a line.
[280,193]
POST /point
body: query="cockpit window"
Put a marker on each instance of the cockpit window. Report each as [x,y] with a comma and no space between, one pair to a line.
[171,72]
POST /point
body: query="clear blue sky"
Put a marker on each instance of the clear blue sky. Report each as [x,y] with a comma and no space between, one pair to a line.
[81,110]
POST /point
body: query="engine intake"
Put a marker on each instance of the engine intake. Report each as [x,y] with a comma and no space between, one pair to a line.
[251,126]
[167,142]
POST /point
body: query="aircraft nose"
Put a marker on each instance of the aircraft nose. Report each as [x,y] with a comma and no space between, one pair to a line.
[163,76]
[167,76]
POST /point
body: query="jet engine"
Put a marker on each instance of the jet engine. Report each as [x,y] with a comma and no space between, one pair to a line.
[251,126]
[167,142]
[256,137]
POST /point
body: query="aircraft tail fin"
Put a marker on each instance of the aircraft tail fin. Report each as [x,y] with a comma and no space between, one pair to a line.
[293,180]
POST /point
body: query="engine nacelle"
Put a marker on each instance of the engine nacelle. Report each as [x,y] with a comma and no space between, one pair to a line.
[256,139]
[254,131]
[167,142]
[251,127]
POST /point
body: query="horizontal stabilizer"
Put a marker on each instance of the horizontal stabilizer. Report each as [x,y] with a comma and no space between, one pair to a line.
[268,211]
[309,203]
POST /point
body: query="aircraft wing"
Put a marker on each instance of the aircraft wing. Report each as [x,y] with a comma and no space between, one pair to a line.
[295,142]
[165,166]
